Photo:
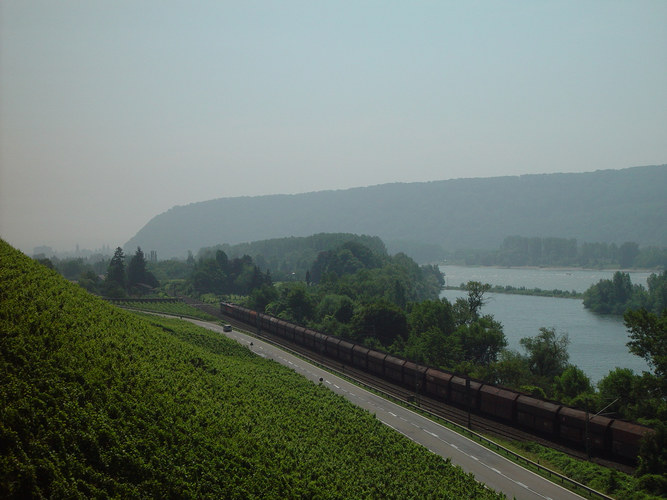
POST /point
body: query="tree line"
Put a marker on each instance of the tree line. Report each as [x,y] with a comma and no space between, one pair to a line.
[619,294]
[536,251]
[292,257]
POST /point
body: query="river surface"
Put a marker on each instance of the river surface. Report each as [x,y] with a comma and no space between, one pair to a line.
[597,342]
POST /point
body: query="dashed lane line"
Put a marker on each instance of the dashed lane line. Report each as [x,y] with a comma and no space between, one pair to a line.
[413,424]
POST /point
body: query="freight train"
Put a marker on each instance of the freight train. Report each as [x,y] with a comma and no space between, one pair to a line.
[605,435]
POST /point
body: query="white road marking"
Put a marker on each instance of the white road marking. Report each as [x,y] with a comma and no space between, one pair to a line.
[415,425]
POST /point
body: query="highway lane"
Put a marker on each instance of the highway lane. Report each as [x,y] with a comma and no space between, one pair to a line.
[495,471]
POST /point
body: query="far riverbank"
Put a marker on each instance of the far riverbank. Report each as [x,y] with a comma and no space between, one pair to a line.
[537,292]
[524,280]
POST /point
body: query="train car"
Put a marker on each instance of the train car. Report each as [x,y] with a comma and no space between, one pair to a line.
[620,438]
[360,357]
[498,402]
[229,309]
[572,424]
[273,326]
[268,323]
[240,312]
[599,432]
[299,335]
[538,415]
[463,396]
[376,362]
[393,369]
[246,315]
[287,330]
[413,376]
[320,342]
[309,338]
[576,426]
[437,384]
[264,322]
[626,438]
[332,346]
[346,351]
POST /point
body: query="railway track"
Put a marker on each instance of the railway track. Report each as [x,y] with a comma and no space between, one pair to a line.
[458,415]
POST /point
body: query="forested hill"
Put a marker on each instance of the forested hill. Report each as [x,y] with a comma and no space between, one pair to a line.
[611,206]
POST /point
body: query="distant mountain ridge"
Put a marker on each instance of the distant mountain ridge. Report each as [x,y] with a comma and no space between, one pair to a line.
[611,206]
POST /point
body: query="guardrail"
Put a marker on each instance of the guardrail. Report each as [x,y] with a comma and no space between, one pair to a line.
[515,456]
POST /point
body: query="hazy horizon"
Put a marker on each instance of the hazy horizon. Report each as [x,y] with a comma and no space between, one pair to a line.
[114,112]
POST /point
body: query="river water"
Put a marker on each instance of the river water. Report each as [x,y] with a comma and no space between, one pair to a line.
[597,342]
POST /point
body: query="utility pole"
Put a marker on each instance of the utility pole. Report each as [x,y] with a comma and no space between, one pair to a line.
[468,399]
[587,436]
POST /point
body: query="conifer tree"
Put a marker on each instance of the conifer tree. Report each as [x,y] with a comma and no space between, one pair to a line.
[116,269]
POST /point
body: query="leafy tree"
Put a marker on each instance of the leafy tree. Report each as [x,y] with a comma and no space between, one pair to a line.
[90,281]
[299,303]
[620,389]
[481,341]
[340,307]
[657,290]
[222,260]
[653,454]
[262,296]
[615,296]
[431,325]
[622,287]
[431,314]
[571,383]
[219,275]
[547,353]
[512,369]
[648,334]
[207,277]
[169,269]
[433,347]
[382,321]
[468,309]
[73,268]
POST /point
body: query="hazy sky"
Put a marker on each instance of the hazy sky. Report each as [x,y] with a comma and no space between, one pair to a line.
[114,111]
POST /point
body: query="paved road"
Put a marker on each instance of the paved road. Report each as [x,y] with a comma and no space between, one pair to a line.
[494,471]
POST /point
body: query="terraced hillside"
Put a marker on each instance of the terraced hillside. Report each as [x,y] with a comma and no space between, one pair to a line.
[98,402]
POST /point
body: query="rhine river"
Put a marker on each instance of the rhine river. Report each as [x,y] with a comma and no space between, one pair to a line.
[597,342]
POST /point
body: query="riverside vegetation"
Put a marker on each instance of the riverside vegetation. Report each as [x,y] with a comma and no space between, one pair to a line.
[357,291]
[98,402]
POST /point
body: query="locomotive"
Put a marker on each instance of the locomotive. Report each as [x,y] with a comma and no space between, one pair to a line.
[605,435]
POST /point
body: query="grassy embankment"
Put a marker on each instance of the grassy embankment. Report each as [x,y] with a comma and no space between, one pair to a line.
[98,402]
[173,308]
